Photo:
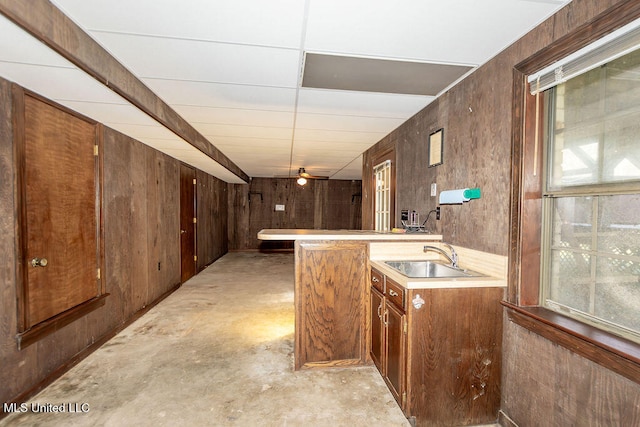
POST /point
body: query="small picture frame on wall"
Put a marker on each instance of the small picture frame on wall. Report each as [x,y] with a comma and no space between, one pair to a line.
[436,140]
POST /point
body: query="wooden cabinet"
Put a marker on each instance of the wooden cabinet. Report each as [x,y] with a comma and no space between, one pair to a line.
[441,358]
[388,333]
[330,303]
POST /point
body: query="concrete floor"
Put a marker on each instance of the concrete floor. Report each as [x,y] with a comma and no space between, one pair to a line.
[217,352]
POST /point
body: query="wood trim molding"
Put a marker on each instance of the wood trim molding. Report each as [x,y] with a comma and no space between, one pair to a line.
[42,329]
[611,351]
[603,24]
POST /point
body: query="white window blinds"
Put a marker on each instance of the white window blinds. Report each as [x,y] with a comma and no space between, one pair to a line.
[614,45]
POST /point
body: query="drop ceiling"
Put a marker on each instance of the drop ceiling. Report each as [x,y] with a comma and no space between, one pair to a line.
[234,70]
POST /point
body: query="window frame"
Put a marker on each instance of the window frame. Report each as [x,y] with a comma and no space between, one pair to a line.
[523,294]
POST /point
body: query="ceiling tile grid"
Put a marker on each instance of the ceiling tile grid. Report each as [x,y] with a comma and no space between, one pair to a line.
[233,69]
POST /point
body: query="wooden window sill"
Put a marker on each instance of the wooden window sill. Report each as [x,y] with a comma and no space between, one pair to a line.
[613,352]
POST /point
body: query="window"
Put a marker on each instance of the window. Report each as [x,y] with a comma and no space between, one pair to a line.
[590,177]
[591,198]
[382,203]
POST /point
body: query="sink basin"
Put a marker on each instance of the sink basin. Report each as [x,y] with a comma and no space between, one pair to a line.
[429,269]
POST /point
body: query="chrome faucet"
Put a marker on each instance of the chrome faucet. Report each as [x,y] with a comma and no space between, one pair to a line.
[453,259]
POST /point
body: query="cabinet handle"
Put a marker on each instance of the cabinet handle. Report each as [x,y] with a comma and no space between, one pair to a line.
[386,318]
[375,279]
[379,309]
[393,293]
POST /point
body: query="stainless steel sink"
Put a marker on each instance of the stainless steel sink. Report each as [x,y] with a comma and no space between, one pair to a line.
[429,269]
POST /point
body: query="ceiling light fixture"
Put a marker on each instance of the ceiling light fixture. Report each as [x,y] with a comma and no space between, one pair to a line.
[302,180]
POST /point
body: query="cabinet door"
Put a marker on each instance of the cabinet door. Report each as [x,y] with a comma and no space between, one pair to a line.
[377,330]
[331,305]
[395,352]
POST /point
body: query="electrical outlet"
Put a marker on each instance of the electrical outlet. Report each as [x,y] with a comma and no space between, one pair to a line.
[437,212]
[280,208]
[434,189]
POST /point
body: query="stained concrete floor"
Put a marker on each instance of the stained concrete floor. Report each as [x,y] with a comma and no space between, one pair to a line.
[217,352]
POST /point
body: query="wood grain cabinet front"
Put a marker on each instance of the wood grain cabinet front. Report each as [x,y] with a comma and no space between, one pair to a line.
[330,303]
[388,334]
[440,358]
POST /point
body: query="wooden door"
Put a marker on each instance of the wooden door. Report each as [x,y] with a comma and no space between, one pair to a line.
[377,331]
[395,355]
[60,176]
[187,222]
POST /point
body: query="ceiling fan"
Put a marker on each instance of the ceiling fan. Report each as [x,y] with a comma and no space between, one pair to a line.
[303,176]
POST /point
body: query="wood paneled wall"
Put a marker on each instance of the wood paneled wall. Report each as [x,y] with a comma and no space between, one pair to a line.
[548,385]
[212,226]
[331,204]
[141,203]
[477,122]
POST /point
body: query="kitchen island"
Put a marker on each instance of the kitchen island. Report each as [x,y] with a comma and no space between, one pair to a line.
[331,292]
[436,341]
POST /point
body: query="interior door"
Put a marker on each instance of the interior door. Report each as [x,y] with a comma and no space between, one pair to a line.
[60,210]
[187,222]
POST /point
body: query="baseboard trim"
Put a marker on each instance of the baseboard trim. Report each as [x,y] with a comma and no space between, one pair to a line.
[78,357]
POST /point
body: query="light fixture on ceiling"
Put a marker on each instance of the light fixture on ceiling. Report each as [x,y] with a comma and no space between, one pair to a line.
[303,176]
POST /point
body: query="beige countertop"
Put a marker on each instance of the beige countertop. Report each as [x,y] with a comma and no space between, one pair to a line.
[494,267]
[438,283]
[310,234]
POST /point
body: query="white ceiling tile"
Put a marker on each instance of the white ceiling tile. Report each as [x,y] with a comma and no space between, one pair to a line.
[360,103]
[235,116]
[455,31]
[273,23]
[321,135]
[224,95]
[348,123]
[215,131]
[204,61]
[58,83]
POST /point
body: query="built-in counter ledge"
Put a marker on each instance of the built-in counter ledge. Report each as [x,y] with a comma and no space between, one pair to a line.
[370,235]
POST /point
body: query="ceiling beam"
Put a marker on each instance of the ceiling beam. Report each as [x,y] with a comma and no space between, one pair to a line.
[48,24]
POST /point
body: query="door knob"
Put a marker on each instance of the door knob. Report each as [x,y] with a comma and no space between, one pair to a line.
[183,231]
[39,262]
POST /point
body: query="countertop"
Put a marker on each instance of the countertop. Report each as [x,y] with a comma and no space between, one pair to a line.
[310,234]
[438,283]
[494,267]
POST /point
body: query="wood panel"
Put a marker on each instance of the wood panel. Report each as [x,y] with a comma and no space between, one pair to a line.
[550,385]
[141,214]
[319,204]
[330,302]
[343,205]
[455,353]
[163,235]
[126,232]
[212,207]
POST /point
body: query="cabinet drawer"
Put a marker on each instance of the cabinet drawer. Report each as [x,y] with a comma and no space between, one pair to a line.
[377,280]
[395,293]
